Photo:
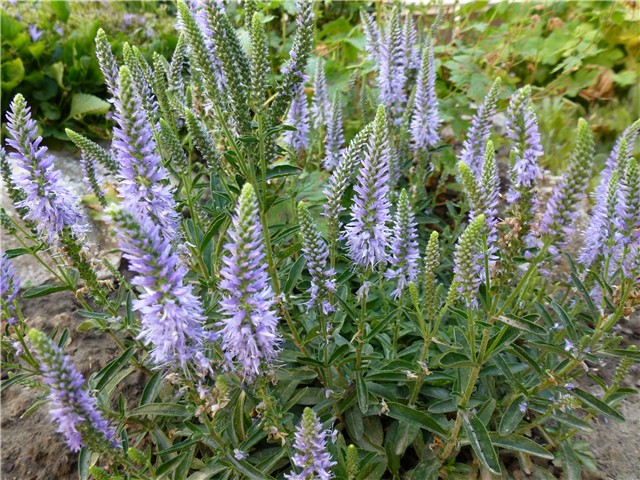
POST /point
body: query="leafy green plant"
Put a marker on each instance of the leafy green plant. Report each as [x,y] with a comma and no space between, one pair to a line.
[299,317]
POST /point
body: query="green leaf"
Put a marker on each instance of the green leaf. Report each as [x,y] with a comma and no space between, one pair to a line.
[597,404]
[61,9]
[151,389]
[12,73]
[84,462]
[161,409]
[570,462]
[427,470]
[363,393]
[455,360]
[294,273]
[168,467]
[10,27]
[85,104]
[413,416]
[247,469]
[518,443]
[103,377]
[512,416]
[480,442]
[523,324]
[43,290]
[282,170]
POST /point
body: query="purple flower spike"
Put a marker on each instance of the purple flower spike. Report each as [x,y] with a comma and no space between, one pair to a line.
[320,105]
[250,327]
[404,247]
[9,287]
[172,316]
[600,234]
[426,119]
[49,204]
[74,411]
[335,137]
[144,189]
[368,232]
[522,129]
[480,130]
[298,117]
[310,444]
[561,210]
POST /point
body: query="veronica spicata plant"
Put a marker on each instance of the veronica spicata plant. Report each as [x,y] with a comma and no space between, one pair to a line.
[291,294]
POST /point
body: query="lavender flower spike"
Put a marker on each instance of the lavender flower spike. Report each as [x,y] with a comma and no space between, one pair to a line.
[311,454]
[404,247]
[49,204]
[320,105]
[298,117]
[425,122]
[335,136]
[74,411]
[172,316]
[250,326]
[561,210]
[315,250]
[599,236]
[368,232]
[480,130]
[628,210]
[144,189]
[522,129]
[468,270]
[9,287]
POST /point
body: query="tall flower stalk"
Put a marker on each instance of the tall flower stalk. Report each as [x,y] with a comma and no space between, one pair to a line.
[334,137]
[48,203]
[368,232]
[425,121]
[404,247]
[9,289]
[249,330]
[561,210]
[480,130]
[320,105]
[298,117]
[323,283]
[468,270]
[144,187]
[172,317]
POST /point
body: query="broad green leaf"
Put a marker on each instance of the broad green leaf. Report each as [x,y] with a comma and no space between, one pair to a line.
[43,290]
[427,470]
[12,73]
[294,273]
[161,409]
[112,368]
[151,389]
[512,416]
[597,404]
[523,324]
[85,104]
[413,416]
[570,462]
[61,9]
[168,467]
[480,442]
[518,443]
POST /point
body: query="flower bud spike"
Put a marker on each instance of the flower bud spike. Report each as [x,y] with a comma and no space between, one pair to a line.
[468,271]
[480,130]
[315,250]
[404,247]
[335,136]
